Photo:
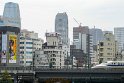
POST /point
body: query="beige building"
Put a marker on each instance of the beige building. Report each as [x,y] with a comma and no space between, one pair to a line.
[106,49]
[54,51]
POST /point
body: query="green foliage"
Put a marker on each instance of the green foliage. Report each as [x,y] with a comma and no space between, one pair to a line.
[6,77]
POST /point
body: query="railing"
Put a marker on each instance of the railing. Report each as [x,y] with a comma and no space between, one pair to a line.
[16,68]
[59,70]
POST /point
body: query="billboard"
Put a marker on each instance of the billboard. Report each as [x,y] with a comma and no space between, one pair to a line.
[0,45]
[4,48]
[12,48]
[0,41]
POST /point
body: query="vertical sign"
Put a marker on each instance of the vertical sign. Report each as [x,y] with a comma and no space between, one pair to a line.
[0,45]
[4,48]
[12,48]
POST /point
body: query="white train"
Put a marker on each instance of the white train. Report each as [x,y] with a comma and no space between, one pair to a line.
[110,65]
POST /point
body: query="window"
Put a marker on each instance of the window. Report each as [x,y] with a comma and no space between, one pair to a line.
[101,44]
[108,53]
[22,47]
[60,20]
[21,42]
[22,38]
[22,52]
[28,61]
[108,48]
[27,52]
[21,62]
[29,48]
[29,42]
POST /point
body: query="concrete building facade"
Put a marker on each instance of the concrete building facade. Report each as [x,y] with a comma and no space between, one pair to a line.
[82,39]
[29,42]
[41,59]
[54,51]
[107,49]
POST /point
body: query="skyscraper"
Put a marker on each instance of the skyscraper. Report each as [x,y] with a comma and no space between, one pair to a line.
[83,40]
[119,37]
[80,37]
[97,35]
[11,15]
[10,25]
[61,26]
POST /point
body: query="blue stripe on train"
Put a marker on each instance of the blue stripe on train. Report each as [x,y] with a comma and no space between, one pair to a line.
[115,65]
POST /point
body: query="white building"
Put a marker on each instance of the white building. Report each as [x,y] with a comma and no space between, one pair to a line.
[29,42]
[119,36]
[53,49]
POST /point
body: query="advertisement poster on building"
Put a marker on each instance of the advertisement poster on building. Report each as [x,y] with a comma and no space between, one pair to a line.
[12,48]
[0,45]
[0,41]
[4,48]
[3,57]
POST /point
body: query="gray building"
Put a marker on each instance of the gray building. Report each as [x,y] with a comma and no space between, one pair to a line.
[41,59]
[61,26]
[119,37]
[97,35]
[80,56]
[83,40]
[80,37]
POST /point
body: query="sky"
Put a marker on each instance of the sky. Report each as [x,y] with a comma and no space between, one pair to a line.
[39,15]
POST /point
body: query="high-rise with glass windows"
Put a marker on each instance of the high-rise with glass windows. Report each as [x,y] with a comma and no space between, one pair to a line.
[61,26]
[119,36]
[97,35]
[10,25]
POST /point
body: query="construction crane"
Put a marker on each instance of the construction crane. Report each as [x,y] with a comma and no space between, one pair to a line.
[77,22]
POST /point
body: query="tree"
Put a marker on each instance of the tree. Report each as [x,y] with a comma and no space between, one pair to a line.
[6,77]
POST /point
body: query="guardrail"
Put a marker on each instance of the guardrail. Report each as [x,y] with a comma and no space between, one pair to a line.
[58,70]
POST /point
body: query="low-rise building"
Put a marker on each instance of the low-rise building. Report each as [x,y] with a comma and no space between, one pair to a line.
[41,59]
[107,49]
[54,51]
[29,42]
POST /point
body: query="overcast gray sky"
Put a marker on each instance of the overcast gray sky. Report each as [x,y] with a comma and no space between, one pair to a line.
[39,15]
